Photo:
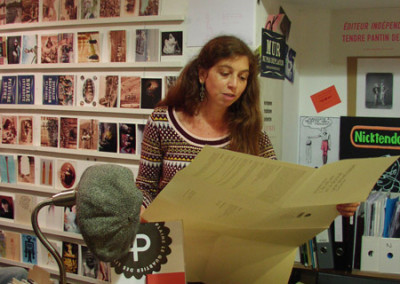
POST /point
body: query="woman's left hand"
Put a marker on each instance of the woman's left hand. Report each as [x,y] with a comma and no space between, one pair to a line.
[347,209]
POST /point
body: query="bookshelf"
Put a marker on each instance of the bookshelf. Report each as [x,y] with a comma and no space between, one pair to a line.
[117,116]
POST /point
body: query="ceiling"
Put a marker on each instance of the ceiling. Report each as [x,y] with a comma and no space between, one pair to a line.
[346,4]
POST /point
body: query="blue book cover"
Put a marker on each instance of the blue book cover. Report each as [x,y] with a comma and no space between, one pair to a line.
[8,89]
[26,89]
[50,89]
[7,169]
[29,249]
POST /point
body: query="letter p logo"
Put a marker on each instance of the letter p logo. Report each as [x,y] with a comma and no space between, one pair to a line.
[145,246]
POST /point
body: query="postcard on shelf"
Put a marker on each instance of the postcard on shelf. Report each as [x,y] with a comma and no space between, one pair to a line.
[110,9]
[49,48]
[9,132]
[89,44]
[49,131]
[88,134]
[127,138]
[29,49]
[24,206]
[130,92]
[108,137]
[3,50]
[29,248]
[147,45]
[66,175]
[117,45]
[50,10]
[65,51]
[51,217]
[30,11]
[108,91]
[68,132]
[70,257]
[129,8]
[70,222]
[13,11]
[89,9]
[7,169]
[50,89]
[2,244]
[26,89]
[90,264]
[66,90]
[25,130]
[7,209]
[149,8]
[13,245]
[46,172]
[14,49]
[170,81]
[26,169]
[151,92]
[87,90]
[3,12]
[45,258]
[68,10]
[8,90]
[171,43]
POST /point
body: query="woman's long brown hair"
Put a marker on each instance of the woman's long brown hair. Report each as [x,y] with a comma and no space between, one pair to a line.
[244,116]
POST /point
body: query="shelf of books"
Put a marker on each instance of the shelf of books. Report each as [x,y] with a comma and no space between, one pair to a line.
[78,82]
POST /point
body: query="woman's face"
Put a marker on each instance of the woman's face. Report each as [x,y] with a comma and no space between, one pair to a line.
[226,80]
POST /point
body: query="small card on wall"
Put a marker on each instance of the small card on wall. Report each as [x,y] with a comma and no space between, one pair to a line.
[325,99]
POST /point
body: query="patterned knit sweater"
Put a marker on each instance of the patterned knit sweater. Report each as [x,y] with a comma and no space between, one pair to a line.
[168,147]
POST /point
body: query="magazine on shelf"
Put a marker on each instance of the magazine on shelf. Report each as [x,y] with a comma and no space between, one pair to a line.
[108,139]
[24,206]
[26,89]
[117,45]
[68,10]
[68,132]
[9,132]
[14,49]
[26,169]
[49,131]
[127,138]
[108,91]
[87,92]
[8,90]
[147,45]
[29,248]
[49,48]
[88,134]
[25,130]
[110,8]
[89,47]
[50,10]
[151,92]
[130,92]
[29,49]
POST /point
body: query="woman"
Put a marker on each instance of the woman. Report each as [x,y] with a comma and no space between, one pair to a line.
[214,102]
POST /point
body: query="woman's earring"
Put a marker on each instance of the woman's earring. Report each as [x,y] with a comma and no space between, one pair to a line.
[202,92]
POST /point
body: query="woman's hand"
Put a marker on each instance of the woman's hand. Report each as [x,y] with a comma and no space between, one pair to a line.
[347,209]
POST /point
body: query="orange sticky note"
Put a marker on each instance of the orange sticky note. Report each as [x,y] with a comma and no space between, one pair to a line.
[325,99]
[166,278]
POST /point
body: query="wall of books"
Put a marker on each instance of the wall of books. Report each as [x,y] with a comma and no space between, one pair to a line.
[78,81]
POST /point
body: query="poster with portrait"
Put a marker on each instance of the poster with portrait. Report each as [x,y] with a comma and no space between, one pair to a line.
[378,85]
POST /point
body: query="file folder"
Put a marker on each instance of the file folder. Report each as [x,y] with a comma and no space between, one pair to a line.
[324,250]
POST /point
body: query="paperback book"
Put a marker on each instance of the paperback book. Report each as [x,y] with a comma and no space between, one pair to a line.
[9,132]
[14,49]
[89,47]
[8,90]
[26,169]
[68,132]
[108,91]
[29,49]
[7,169]
[26,89]
[25,130]
[88,134]
[130,92]
[49,131]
